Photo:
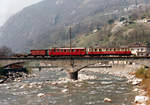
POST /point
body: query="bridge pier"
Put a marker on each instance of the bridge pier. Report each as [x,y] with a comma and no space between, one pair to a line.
[73,75]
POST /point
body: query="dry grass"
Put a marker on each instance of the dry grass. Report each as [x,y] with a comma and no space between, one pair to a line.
[29,70]
[144,73]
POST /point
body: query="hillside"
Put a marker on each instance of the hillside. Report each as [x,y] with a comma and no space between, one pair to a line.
[124,31]
[45,24]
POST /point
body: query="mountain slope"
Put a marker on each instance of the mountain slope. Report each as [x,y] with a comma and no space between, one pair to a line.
[46,24]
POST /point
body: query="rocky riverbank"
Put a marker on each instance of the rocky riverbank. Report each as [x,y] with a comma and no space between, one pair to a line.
[10,75]
[127,71]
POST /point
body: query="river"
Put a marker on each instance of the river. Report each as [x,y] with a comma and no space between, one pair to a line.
[47,87]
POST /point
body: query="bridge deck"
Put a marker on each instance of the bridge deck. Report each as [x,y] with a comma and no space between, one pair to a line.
[77,57]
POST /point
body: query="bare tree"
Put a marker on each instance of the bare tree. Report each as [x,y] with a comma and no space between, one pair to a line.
[5,51]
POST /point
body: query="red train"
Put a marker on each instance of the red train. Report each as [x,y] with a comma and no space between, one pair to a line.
[81,52]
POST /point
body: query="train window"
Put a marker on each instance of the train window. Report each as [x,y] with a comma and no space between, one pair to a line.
[95,49]
[142,49]
[54,50]
[82,49]
[90,50]
[61,50]
[57,50]
[65,50]
[73,50]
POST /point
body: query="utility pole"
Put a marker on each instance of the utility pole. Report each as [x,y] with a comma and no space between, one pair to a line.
[70,37]
[136,3]
[70,34]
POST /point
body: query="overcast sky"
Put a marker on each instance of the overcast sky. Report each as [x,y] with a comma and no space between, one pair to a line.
[10,7]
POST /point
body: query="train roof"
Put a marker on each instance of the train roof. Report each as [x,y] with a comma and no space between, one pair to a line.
[68,48]
[109,48]
[37,49]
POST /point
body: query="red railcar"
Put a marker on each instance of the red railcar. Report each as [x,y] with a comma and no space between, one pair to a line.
[108,51]
[82,52]
[67,51]
[39,52]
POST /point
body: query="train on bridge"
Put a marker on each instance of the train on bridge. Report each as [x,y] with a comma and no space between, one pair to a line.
[56,52]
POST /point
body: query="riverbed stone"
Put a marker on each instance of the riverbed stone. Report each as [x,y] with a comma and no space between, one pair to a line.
[107,100]
[23,86]
[141,99]
[41,95]
[136,81]
[65,90]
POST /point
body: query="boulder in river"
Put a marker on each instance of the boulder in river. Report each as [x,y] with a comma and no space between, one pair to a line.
[107,100]
[136,81]
[65,90]
[141,99]
[41,95]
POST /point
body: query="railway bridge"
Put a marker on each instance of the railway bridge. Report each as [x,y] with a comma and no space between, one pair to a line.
[74,64]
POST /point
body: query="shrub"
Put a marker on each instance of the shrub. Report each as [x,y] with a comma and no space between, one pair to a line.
[111,21]
[143,73]
[140,73]
[122,19]
[29,70]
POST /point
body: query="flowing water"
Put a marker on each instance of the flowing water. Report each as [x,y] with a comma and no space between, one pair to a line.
[46,88]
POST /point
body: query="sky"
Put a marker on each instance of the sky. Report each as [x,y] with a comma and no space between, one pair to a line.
[10,7]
